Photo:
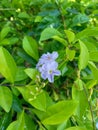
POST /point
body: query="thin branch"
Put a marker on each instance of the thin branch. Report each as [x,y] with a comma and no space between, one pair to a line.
[91,111]
[6,9]
[60,10]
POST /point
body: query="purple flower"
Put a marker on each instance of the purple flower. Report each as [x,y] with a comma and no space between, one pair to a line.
[47,66]
[46,58]
[49,57]
[49,71]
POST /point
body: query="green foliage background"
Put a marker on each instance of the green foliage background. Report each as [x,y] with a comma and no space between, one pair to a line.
[30,28]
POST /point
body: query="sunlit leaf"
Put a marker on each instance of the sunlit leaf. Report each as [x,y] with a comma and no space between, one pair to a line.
[70,54]
[8,66]
[81,98]
[34,96]
[88,32]
[84,56]
[31,47]
[4,32]
[94,56]
[70,35]
[32,73]
[5,98]
[49,33]
[59,112]
[94,70]
[76,128]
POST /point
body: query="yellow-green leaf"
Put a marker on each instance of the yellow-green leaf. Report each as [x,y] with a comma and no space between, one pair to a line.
[84,56]
[8,66]
[31,47]
[5,98]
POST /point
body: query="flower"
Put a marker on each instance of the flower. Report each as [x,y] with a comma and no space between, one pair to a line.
[49,71]
[47,66]
[49,57]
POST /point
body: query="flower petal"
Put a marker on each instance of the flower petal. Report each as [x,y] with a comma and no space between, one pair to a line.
[51,78]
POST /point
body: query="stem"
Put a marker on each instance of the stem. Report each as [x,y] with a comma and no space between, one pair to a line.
[60,10]
[91,111]
[6,9]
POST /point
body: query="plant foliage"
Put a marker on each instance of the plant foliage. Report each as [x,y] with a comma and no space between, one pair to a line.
[30,30]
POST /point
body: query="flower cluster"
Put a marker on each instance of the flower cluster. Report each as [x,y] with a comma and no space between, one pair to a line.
[47,66]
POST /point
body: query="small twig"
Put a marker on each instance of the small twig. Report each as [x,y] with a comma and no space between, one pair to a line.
[6,9]
[89,103]
[60,10]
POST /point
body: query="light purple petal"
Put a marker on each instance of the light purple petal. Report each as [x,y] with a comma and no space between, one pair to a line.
[51,78]
[54,55]
[44,75]
[57,72]
[47,66]
[52,66]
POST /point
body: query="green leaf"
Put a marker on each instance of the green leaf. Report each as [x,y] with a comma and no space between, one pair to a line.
[94,56]
[31,47]
[59,112]
[79,84]
[61,40]
[5,98]
[70,54]
[81,98]
[29,124]
[63,125]
[88,32]
[94,70]
[16,105]
[70,35]
[80,18]
[5,121]
[24,56]
[8,67]
[49,33]
[18,124]
[4,32]
[76,128]
[5,42]
[90,84]
[23,15]
[32,73]
[84,56]
[38,19]
[20,75]
[34,96]
[90,43]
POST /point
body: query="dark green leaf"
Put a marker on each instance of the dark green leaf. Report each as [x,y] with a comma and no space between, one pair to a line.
[18,124]
[5,121]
